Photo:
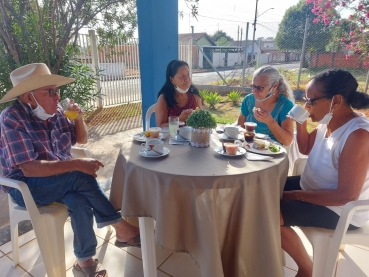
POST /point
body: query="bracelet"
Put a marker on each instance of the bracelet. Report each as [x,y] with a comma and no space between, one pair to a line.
[302,199]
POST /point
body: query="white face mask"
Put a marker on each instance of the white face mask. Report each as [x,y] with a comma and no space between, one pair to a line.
[270,94]
[327,118]
[39,111]
[179,89]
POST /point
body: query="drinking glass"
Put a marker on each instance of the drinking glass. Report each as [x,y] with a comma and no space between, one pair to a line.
[173,125]
[66,106]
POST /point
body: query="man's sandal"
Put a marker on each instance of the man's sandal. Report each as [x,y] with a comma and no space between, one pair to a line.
[92,270]
[133,242]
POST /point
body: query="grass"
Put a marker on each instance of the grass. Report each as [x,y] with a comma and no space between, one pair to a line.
[291,75]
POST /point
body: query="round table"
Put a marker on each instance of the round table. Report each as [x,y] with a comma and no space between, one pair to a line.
[223,211]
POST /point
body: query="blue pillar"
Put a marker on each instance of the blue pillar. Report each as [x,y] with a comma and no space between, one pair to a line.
[158,45]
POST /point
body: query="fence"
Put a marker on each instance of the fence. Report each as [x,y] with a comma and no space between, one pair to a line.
[119,66]
[235,56]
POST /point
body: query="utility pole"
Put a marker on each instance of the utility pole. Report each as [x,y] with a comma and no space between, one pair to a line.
[253,35]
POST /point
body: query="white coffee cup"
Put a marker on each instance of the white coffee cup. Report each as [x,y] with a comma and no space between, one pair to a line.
[184,133]
[153,147]
[231,132]
[298,114]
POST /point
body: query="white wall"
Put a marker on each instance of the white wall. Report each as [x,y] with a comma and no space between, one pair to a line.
[219,59]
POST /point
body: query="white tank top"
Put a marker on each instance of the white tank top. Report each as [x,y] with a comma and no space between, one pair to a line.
[321,171]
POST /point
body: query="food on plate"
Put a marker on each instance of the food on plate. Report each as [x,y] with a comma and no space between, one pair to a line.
[274,148]
[259,144]
[147,134]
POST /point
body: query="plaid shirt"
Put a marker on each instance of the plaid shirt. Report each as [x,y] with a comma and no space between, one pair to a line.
[24,138]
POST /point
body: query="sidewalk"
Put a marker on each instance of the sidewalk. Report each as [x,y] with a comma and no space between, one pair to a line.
[104,143]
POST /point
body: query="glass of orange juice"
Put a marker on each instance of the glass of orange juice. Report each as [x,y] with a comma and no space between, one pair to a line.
[66,106]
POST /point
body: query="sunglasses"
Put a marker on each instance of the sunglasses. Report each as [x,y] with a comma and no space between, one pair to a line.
[52,91]
[310,101]
[257,88]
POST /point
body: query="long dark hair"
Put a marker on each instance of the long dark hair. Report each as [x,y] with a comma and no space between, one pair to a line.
[338,81]
[168,89]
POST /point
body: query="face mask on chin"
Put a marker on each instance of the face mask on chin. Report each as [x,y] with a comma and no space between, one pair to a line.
[39,111]
[327,118]
[179,89]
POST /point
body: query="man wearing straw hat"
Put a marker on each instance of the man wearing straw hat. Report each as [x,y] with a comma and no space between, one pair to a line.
[35,144]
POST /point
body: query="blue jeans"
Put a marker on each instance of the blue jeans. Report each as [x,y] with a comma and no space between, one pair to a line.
[83,196]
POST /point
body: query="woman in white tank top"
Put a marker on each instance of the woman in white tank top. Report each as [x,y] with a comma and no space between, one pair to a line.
[337,169]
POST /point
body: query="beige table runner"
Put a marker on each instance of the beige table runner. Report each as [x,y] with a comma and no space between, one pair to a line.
[223,211]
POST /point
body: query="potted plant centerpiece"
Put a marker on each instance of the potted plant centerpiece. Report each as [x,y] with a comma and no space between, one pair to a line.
[201,122]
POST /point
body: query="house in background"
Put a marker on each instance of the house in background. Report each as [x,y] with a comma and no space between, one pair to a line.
[242,43]
[201,39]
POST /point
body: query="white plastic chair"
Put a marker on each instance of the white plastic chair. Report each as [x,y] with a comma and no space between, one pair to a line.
[149,112]
[327,243]
[48,224]
[299,166]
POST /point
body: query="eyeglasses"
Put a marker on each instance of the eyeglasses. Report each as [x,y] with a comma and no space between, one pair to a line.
[257,88]
[52,91]
[310,101]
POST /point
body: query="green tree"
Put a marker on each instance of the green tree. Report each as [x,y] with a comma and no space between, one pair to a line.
[291,30]
[47,31]
[221,38]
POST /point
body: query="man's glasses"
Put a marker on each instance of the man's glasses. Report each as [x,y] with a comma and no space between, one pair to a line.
[52,91]
[310,101]
[258,88]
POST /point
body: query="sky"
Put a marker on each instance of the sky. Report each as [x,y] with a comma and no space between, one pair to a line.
[227,15]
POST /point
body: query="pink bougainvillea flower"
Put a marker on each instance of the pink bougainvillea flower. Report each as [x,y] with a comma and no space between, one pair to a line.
[361,29]
[352,33]
[338,21]
[351,16]
[348,47]
[343,4]
[342,39]
[347,57]
[366,63]
[360,7]
[316,20]
[367,14]
[326,21]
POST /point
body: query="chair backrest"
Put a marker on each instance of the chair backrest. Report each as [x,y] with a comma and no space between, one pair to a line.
[148,116]
[299,166]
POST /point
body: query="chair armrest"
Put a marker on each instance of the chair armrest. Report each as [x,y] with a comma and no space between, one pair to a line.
[341,229]
[79,152]
[23,188]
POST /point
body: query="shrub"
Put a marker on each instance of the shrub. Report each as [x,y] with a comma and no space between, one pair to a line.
[212,98]
[234,96]
[201,119]
[203,93]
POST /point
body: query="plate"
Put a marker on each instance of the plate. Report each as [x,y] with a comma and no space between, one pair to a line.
[266,151]
[261,136]
[224,137]
[165,152]
[220,129]
[220,151]
[178,138]
[141,137]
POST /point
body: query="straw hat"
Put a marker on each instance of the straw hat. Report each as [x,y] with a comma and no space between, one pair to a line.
[30,77]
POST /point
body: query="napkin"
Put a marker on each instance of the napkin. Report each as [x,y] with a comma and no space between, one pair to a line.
[173,141]
[256,157]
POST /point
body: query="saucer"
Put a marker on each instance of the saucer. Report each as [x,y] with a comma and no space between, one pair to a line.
[142,138]
[178,138]
[224,137]
[220,129]
[261,136]
[220,151]
[165,152]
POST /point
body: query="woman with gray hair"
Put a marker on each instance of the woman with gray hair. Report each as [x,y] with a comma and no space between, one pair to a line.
[268,105]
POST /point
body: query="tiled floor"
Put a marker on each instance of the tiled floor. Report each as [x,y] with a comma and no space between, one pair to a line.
[128,262]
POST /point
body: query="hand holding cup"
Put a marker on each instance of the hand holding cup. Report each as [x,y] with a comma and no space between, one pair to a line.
[71,110]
